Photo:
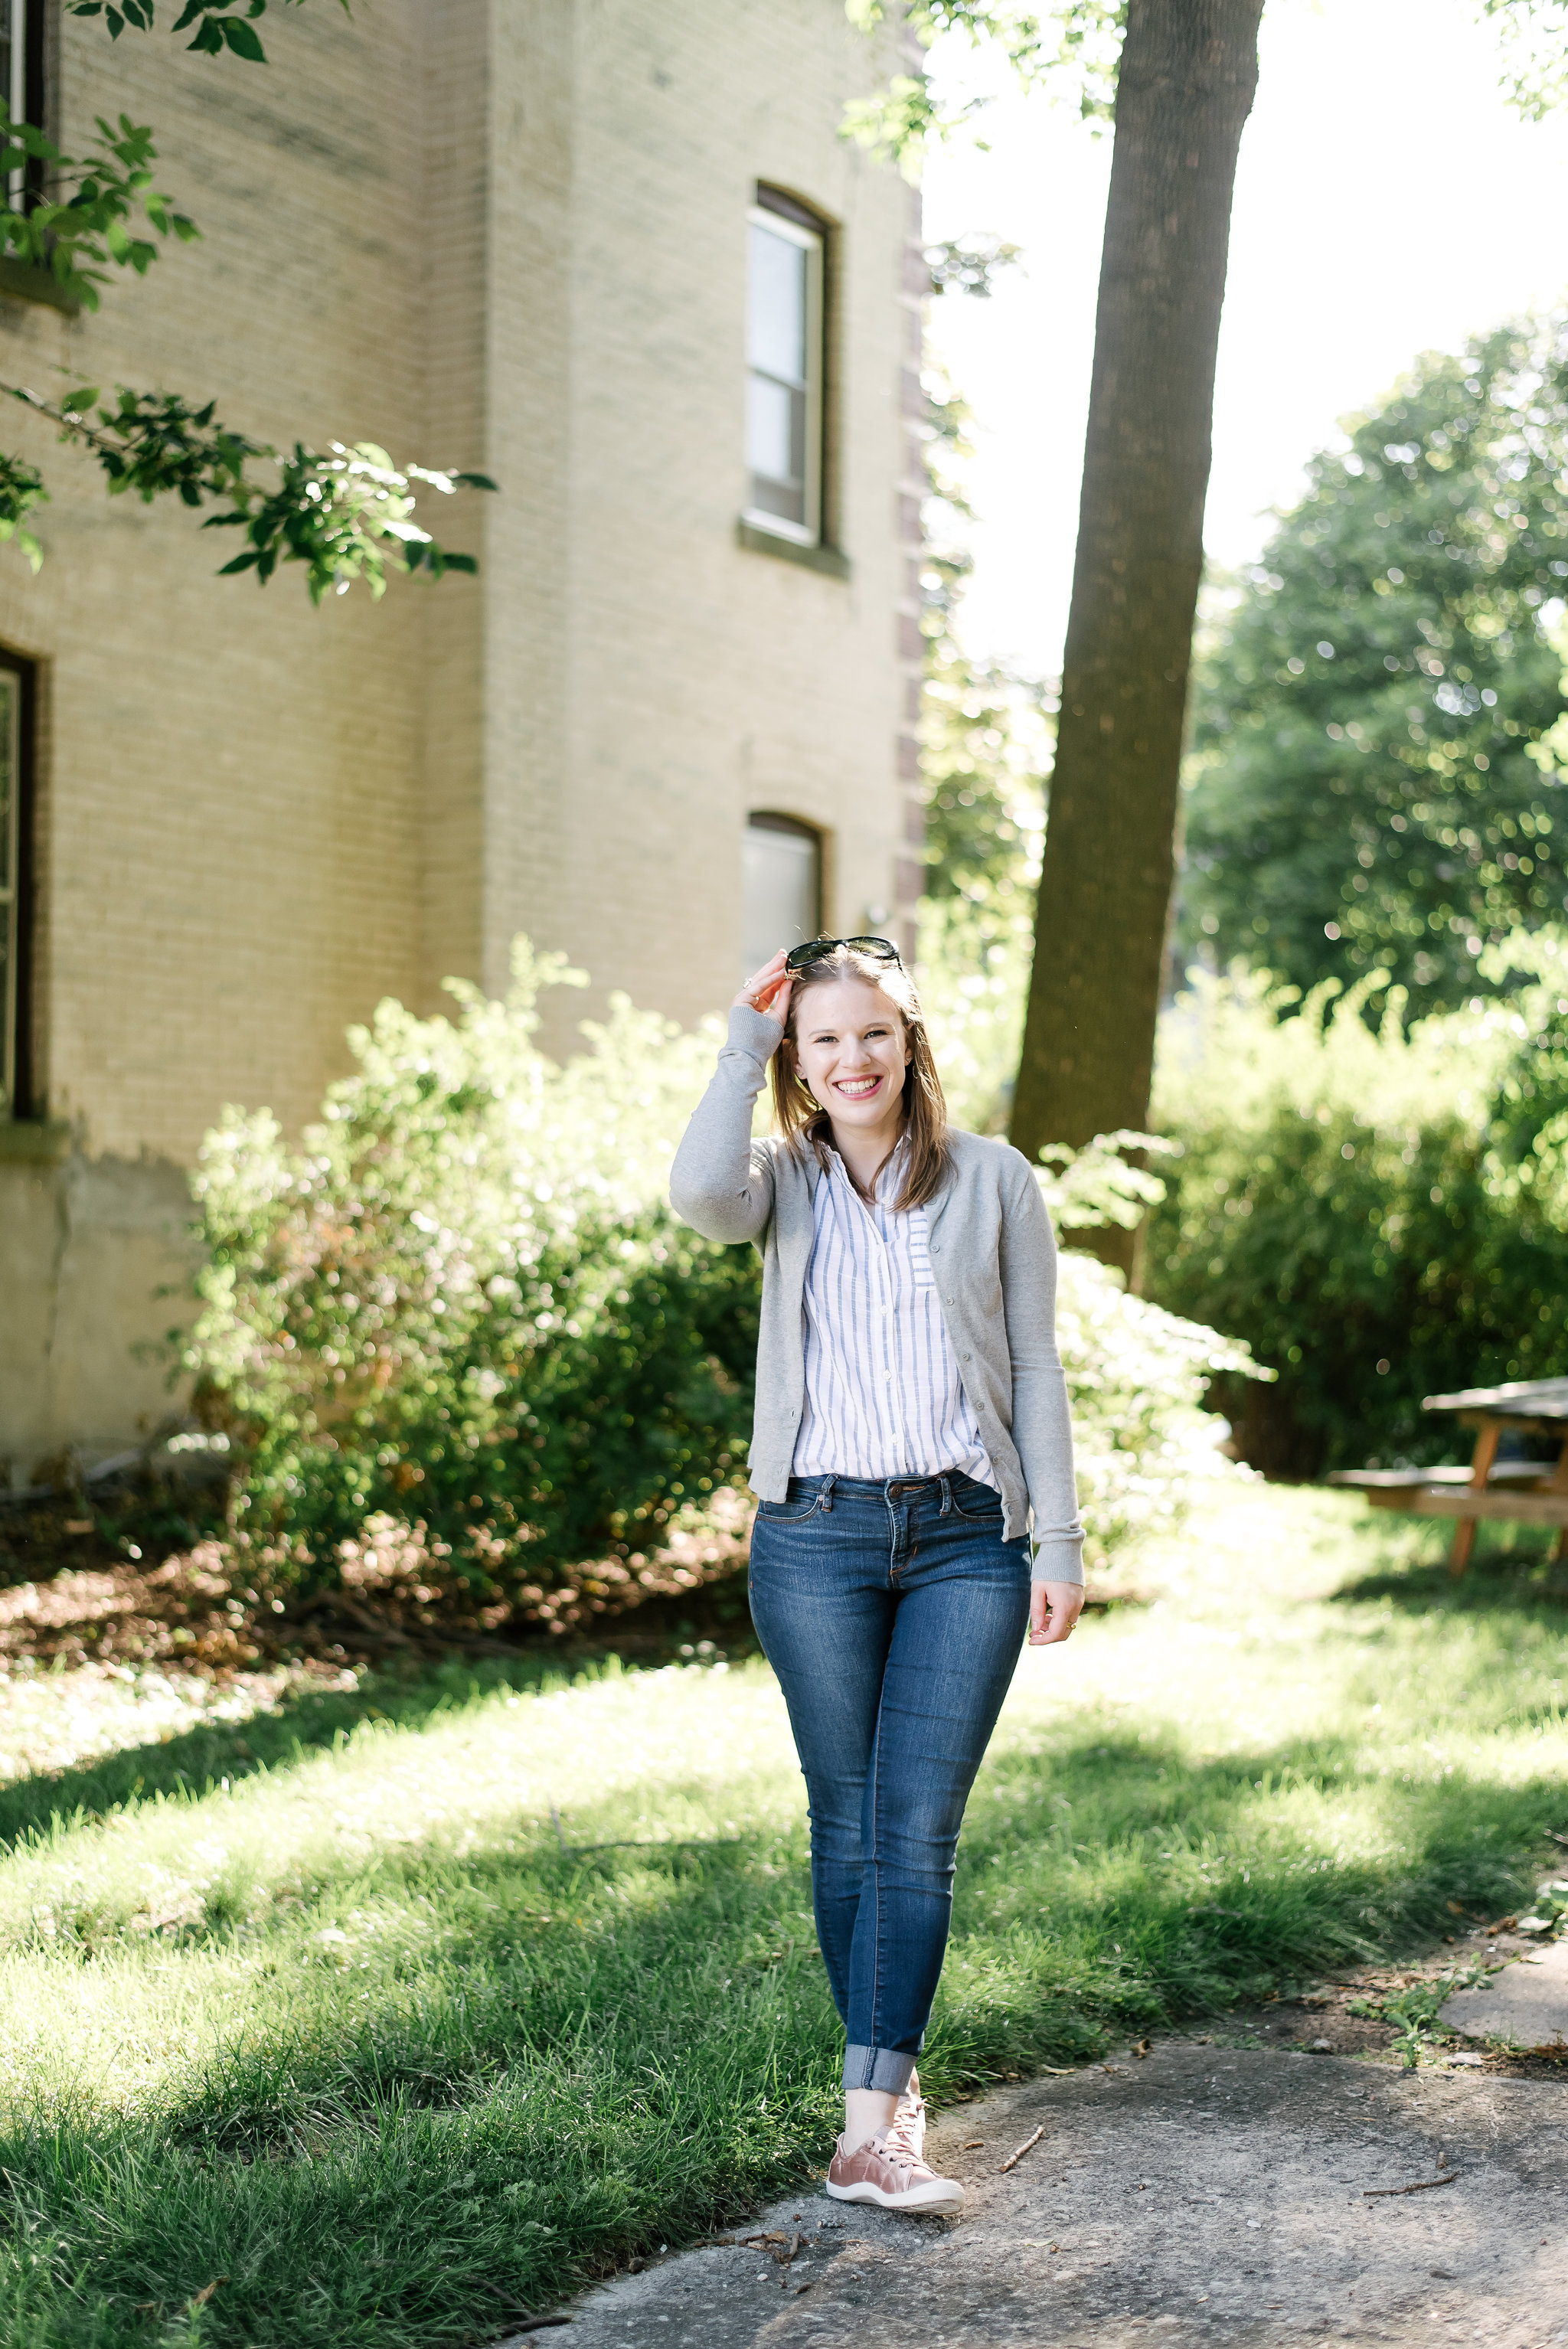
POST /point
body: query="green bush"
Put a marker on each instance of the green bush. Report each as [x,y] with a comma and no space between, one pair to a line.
[1381,1213]
[462,1306]
[1137,1376]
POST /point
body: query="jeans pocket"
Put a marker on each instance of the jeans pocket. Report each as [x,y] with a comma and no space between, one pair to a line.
[981,1504]
[789,1513]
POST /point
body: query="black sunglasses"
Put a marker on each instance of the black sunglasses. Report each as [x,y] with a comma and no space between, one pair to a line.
[802,957]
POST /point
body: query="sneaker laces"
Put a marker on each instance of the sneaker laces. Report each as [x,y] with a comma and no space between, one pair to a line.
[896,2156]
[907,2130]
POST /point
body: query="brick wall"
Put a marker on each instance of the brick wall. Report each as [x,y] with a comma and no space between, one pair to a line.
[507,234]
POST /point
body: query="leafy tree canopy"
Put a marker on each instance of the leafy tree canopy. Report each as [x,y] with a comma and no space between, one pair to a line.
[985,736]
[985,743]
[1073,48]
[1372,785]
[1535,52]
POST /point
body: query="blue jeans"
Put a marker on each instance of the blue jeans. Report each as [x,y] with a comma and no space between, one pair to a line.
[893,1615]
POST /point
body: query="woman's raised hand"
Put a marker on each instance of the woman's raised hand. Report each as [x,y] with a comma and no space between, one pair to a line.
[767,990]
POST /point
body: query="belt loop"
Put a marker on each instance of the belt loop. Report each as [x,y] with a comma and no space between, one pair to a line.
[828,1486]
[946,1508]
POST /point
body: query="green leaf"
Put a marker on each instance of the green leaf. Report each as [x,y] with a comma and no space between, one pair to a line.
[116,23]
[208,39]
[240,562]
[79,402]
[243,40]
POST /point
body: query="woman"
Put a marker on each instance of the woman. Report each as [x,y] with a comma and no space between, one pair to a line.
[911,1416]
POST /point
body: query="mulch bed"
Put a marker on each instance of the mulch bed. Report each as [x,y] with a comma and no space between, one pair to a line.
[77,1587]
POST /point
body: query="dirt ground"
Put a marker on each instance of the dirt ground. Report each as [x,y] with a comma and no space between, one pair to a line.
[1242,2187]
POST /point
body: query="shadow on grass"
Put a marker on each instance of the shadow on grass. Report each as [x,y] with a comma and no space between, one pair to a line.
[1511,1572]
[1105,1884]
[557,2061]
[1175,1887]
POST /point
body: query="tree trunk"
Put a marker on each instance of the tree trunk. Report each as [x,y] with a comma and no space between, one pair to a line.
[1189,69]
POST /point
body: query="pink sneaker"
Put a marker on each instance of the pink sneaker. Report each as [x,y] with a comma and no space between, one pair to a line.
[886,2173]
[907,2135]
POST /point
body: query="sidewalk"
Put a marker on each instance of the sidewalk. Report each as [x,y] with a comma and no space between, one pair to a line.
[1203,2194]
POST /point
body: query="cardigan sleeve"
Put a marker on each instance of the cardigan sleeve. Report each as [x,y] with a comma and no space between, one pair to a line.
[722,1181]
[1042,1429]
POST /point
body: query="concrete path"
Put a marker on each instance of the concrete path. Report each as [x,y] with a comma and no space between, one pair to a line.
[1526,2005]
[1204,2194]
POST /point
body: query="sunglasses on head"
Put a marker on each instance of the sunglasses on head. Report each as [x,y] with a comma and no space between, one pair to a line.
[802,957]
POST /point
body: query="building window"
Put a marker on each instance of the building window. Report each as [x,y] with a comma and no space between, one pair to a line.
[784,356]
[21,86]
[783,886]
[15,890]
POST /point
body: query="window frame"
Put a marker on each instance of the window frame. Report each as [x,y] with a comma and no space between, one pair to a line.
[783,216]
[798,828]
[19,1103]
[27,97]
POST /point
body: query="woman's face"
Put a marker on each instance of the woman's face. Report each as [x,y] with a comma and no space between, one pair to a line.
[851,1048]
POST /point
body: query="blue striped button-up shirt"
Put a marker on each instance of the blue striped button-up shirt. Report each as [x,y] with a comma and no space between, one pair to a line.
[884,1397]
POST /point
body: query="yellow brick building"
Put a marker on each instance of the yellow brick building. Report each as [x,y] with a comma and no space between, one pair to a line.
[613,252]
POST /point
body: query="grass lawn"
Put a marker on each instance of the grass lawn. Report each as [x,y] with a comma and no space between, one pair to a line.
[320,2029]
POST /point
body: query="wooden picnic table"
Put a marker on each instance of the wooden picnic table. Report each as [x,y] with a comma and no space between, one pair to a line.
[1529,1492]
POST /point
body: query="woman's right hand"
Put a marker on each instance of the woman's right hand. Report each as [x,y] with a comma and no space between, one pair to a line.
[768,990]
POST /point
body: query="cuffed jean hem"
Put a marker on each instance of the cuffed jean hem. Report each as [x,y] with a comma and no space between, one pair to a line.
[877,2067]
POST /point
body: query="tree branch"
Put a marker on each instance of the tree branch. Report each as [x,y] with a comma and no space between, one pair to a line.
[218,24]
[79,235]
[346,513]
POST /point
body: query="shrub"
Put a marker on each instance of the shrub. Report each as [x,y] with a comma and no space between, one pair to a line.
[466,1356]
[462,1304]
[1137,1376]
[1381,1212]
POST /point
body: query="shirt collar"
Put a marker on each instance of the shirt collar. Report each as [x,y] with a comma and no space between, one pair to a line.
[889,1181]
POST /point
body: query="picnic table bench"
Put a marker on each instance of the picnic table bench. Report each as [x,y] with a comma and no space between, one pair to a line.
[1529,1491]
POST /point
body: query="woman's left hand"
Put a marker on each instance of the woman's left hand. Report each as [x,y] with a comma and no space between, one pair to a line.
[1054,1608]
[768,990]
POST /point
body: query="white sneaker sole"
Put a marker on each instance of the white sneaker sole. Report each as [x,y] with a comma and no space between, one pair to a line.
[943,2194]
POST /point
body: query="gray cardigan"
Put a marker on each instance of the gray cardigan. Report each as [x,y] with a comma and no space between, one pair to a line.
[995,1259]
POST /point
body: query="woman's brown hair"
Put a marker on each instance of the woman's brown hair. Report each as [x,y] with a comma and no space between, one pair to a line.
[800,1117]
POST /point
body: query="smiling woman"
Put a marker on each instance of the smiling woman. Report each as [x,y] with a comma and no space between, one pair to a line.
[911,1420]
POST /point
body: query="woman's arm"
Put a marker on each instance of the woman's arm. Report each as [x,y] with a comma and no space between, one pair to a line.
[721,1184]
[1042,1429]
